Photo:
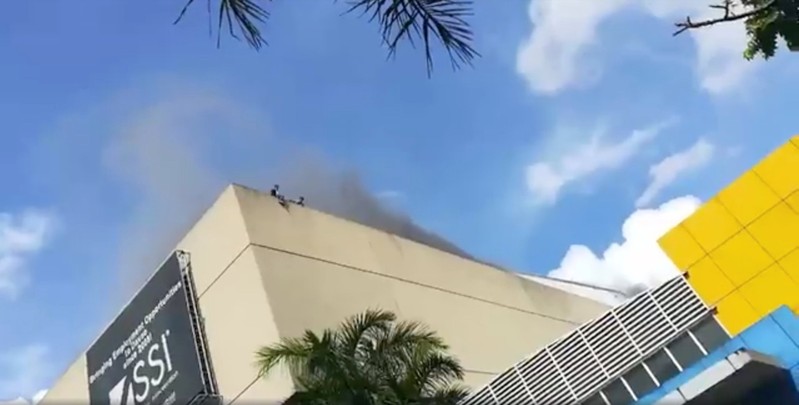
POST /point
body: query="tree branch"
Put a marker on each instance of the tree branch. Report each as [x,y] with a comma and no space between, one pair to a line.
[728,16]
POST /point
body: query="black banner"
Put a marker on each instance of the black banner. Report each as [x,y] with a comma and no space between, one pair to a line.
[148,356]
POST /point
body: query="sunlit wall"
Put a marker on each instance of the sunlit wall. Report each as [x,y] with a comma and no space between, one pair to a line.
[740,250]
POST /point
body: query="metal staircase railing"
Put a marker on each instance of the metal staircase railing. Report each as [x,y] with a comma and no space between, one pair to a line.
[211,395]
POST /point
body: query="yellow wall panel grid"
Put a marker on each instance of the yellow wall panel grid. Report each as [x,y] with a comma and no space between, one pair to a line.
[748,197]
[741,257]
[709,281]
[793,201]
[779,169]
[711,225]
[790,263]
[681,247]
[770,290]
[735,313]
[777,230]
[740,250]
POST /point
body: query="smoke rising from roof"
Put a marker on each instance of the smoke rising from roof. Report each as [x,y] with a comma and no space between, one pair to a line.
[343,193]
[174,156]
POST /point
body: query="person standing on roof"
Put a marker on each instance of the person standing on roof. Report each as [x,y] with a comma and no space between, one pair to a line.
[300,201]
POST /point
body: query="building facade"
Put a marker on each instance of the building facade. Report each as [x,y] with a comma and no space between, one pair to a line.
[724,331]
[262,272]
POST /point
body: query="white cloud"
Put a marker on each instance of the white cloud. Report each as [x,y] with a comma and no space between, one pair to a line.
[23,371]
[38,397]
[16,401]
[547,178]
[665,172]
[554,56]
[635,263]
[720,65]
[21,236]
[563,30]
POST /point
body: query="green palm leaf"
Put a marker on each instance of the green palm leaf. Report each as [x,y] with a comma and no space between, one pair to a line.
[370,359]
[425,21]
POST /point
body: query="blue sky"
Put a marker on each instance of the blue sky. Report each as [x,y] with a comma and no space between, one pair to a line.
[117,127]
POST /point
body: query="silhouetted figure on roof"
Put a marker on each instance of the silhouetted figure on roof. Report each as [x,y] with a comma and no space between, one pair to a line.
[275,192]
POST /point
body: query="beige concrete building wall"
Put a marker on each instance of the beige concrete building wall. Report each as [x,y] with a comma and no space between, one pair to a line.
[72,387]
[489,317]
[265,272]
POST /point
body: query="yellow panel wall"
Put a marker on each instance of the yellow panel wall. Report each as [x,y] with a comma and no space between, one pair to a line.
[681,247]
[777,166]
[740,250]
[770,290]
[712,225]
[790,263]
[735,312]
[793,201]
[709,281]
[741,258]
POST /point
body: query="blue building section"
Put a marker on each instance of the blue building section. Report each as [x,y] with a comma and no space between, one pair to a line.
[776,335]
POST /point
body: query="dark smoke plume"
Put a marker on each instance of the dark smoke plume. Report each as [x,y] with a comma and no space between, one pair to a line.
[168,150]
[343,194]
[635,289]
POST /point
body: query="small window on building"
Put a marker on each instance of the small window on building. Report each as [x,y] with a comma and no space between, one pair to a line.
[710,334]
[595,399]
[617,393]
[685,351]
[662,367]
[640,381]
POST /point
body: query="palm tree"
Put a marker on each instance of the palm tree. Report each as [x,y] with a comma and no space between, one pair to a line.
[370,359]
[409,20]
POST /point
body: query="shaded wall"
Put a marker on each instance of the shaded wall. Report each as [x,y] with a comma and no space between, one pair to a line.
[776,335]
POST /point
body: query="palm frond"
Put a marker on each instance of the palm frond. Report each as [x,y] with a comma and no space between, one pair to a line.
[410,336]
[436,370]
[323,358]
[294,353]
[237,17]
[370,359]
[449,395]
[402,357]
[305,398]
[402,347]
[424,20]
[360,329]
[304,357]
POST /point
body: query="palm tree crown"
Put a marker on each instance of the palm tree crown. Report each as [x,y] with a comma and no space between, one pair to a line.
[424,21]
[370,359]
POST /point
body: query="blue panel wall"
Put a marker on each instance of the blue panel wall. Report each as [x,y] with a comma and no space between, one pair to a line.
[776,335]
